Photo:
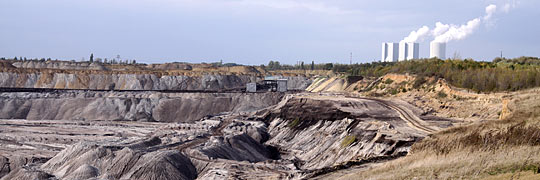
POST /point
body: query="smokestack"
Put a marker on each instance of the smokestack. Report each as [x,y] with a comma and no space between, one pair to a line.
[437,49]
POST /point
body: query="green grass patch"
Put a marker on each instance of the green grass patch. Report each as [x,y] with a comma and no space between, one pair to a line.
[442,94]
[530,167]
[388,81]
[394,91]
[347,141]
[294,123]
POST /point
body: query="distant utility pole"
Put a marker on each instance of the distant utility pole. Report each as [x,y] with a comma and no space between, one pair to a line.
[351,59]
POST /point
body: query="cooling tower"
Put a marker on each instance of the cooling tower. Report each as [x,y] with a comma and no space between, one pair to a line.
[384,52]
[438,50]
[408,51]
[413,51]
[390,52]
[403,51]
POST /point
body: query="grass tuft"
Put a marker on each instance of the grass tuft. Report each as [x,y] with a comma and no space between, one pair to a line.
[294,123]
[347,141]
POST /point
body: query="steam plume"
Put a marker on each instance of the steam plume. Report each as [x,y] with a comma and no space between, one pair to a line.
[418,35]
[445,33]
[456,32]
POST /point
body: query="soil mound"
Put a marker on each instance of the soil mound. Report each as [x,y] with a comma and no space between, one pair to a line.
[171,66]
[4,64]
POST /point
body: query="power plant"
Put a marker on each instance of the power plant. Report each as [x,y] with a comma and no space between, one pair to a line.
[390,52]
[408,51]
[394,52]
[437,49]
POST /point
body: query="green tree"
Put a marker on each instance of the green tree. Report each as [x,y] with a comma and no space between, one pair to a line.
[271,65]
[91,57]
[328,66]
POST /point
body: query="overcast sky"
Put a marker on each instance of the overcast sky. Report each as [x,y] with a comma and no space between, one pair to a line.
[255,31]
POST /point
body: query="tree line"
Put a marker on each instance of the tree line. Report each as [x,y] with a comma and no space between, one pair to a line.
[276,65]
[90,60]
[498,75]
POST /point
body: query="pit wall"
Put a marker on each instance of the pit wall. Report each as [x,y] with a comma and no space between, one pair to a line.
[122,81]
[129,106]
[135,81]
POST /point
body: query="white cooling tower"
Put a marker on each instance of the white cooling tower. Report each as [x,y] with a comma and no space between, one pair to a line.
[403,50]
[384,52]
[390,52]
[413,51]
[408,51]
[438,50]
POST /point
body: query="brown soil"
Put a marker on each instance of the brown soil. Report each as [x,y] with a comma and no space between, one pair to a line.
[6,65]
[302,113]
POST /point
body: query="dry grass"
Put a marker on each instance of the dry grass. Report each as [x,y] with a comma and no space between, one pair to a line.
[458,165]
[502,149]
[490,136]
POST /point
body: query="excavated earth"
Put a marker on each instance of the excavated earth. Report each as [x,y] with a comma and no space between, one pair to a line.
[100,135]
[86,129]
[120,80]
[127,106]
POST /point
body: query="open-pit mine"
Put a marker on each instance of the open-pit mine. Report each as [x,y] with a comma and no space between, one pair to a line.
[65,120]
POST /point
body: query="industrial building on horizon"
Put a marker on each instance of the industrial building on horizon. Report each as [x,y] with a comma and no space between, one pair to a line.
[438,50]
[408,51]
[394,52]
[390,52]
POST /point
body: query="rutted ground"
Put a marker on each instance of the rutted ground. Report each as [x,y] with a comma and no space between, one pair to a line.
[495,138]
[433,96]
[302,136]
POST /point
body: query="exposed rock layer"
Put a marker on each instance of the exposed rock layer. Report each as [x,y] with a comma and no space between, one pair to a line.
[133,81]
[131,106]
[59,65]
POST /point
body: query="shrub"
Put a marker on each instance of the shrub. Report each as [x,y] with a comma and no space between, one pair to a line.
[388,81]
[418,82]
[441,94]
[404,90]
[394,91]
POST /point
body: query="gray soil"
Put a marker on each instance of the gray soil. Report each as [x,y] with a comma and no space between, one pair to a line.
[102,135]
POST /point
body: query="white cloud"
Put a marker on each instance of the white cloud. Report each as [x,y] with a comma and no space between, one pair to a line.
[490,10]
[509,6]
